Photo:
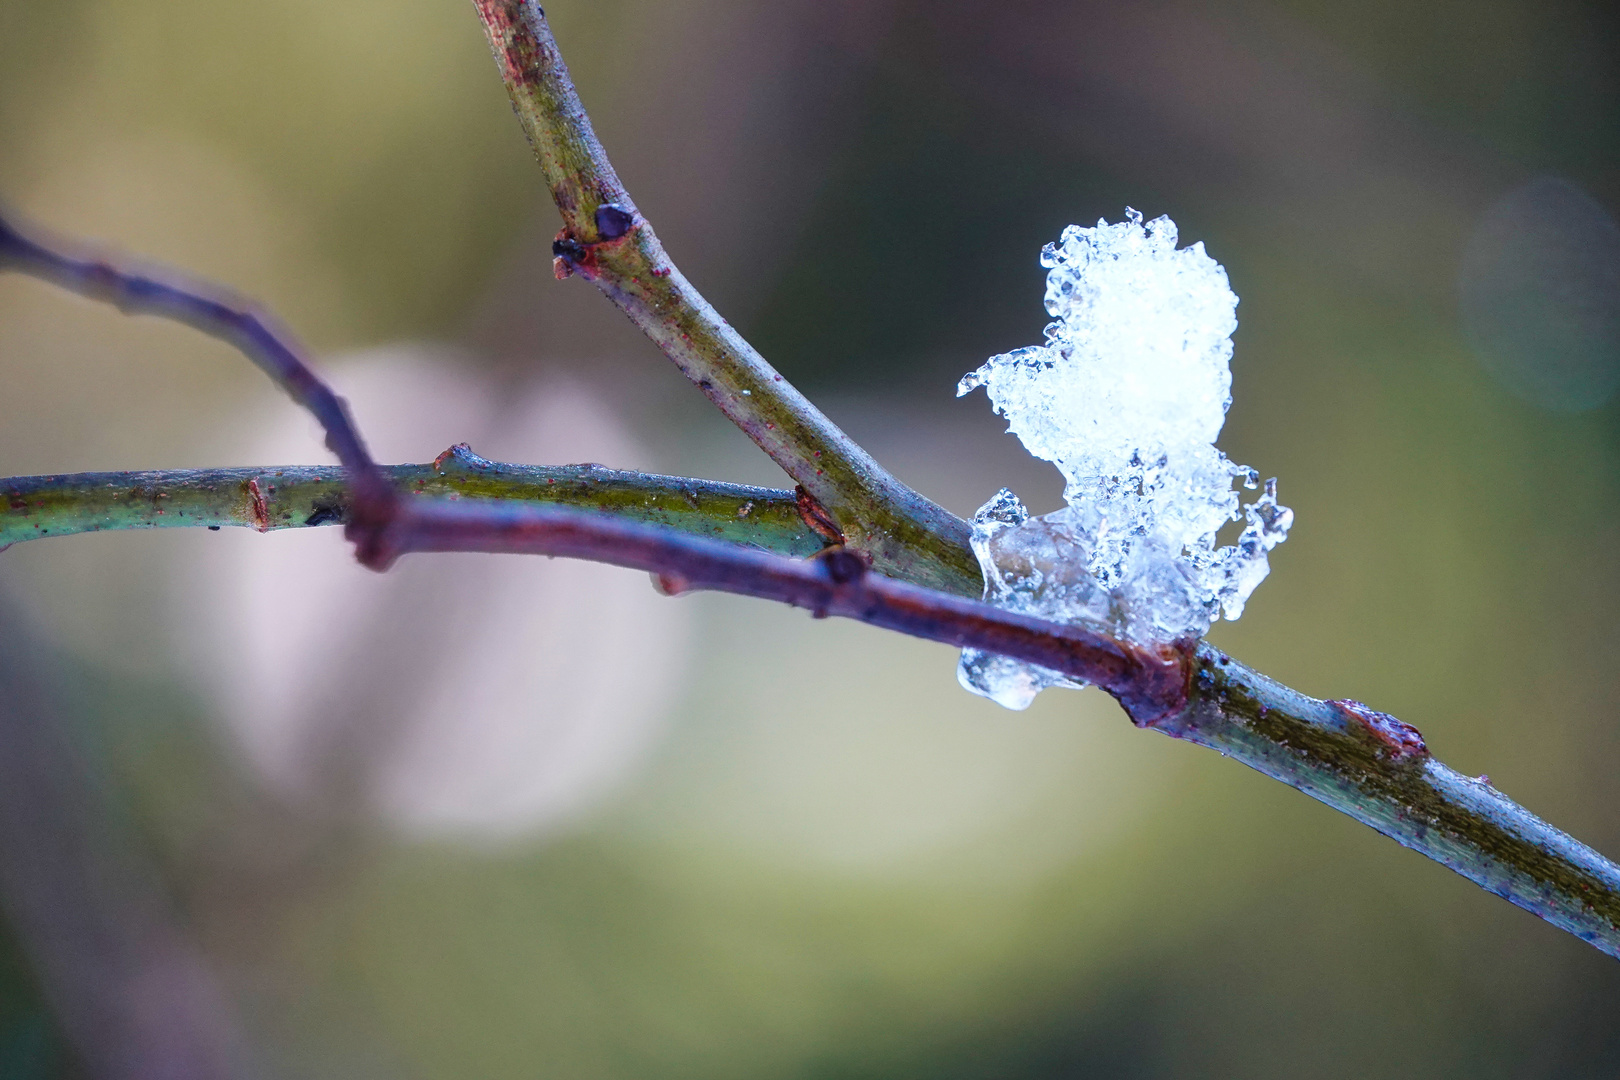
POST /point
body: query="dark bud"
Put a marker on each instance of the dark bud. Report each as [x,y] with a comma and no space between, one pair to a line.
[325,515]
[843,565]
[571,250]
[613,221]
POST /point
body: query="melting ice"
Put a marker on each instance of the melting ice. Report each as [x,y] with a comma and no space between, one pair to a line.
[1125,396]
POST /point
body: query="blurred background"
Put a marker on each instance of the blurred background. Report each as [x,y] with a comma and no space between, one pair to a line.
[265,814]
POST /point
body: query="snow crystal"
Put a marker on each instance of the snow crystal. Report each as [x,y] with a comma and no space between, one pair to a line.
[1126,397]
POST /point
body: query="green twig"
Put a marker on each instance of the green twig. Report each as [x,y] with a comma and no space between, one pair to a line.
[1345,755]
[1363,763]
[298,497]
[606,240]
[1379,771]
[215,311]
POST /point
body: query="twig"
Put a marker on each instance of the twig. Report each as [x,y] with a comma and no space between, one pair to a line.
[606,240]
[1378,770]
[218,313]
[303,496]
[1364,763]
[1360,762]
[1150,682]
[1406,796]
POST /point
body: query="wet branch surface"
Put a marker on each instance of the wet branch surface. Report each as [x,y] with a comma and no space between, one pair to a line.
[304,496]
[606,240]
[880,552]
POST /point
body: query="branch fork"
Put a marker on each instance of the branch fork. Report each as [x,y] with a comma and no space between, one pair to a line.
[849,540]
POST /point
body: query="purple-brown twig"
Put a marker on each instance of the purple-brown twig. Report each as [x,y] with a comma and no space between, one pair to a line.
[1151,683]
[1355,759]
[218,313]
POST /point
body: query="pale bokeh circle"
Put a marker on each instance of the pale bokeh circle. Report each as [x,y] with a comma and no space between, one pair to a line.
[462,695]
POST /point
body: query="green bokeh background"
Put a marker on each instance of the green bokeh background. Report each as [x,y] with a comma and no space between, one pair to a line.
[863,188]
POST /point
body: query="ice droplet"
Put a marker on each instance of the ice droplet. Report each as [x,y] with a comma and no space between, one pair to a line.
[1126,397]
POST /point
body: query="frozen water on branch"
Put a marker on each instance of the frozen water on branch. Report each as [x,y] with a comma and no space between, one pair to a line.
[1126,397]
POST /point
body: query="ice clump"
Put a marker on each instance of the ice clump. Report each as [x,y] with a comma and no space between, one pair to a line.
[1125,397]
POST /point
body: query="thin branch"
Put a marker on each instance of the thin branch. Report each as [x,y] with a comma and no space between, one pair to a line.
[1363,763]
[294,497]
[1376,769]
[606,240]
[218,313]
[1149,681]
